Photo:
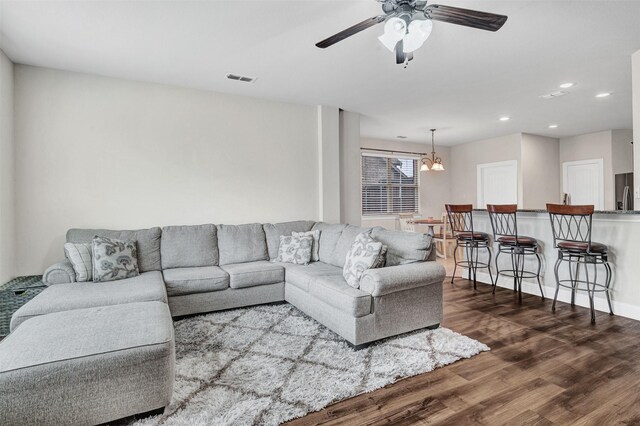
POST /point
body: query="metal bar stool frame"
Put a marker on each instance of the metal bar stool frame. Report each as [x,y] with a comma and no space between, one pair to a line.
[504,222]
[461,220]
[572,226]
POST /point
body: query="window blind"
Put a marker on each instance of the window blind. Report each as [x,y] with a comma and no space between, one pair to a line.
[390,185]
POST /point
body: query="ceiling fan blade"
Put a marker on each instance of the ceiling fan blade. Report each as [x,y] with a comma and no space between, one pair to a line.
[466,17]
[351,31]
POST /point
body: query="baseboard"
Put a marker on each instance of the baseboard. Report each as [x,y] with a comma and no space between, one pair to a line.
[564,295]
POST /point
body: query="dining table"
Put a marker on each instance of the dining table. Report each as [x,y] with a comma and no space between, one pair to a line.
[430,222]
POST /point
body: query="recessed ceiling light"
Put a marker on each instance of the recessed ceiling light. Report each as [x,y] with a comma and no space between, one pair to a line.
[553,126]
[567,85]
[603,95]
[401,137]
[505,118]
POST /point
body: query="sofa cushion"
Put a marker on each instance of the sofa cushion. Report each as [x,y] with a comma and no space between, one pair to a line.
[329,235]
[300,275]
[148,243]
[335,291]
[346,240]
[273,231]
[251,274]
[189,246]
[146,287]
[241,243]
[200,279]
[403,247]
[114,259]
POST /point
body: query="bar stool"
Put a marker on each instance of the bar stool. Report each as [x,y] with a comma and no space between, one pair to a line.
[571,227]
[504,221]
[461,220]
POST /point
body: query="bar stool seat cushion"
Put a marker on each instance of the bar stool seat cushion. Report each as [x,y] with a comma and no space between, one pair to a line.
[582,247]
[475,236]
[522,241]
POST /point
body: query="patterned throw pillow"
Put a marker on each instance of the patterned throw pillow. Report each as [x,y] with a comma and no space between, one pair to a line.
[315,252]
[114,259]
[295,249]
[362,256]
[382,258]
[80,257]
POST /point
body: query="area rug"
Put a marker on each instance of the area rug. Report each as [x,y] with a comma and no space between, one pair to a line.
[268,364]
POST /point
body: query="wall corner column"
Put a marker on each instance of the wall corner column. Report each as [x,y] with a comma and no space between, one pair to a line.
[329,164]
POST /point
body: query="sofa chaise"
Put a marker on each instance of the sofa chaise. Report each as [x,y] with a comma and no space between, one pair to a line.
[203,268]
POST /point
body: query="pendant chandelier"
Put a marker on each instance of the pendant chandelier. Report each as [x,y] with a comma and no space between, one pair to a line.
[434,163]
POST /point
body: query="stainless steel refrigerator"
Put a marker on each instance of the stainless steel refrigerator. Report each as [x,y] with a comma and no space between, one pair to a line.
[624,191]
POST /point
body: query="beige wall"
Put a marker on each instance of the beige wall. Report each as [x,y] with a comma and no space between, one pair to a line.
[102,152]
[434,186]
[7,170]
[540,176]
[636,122]
[466,157]
[328,145]
[588,147]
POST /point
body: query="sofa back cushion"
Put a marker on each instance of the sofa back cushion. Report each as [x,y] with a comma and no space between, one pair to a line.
[241,243]
[329,235]
[273,231]
[148,243]
[189,246]
[404,247]
[346,240]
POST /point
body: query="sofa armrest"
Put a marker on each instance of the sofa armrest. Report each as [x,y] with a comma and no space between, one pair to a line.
[60,273]
[379,282]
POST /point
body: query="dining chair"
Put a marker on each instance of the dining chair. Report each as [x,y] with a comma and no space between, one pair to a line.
[444,238]
[406,222]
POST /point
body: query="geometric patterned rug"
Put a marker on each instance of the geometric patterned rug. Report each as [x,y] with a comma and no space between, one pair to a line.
[268,364]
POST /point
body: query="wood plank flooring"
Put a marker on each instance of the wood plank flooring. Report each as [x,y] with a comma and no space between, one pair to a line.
[543,369]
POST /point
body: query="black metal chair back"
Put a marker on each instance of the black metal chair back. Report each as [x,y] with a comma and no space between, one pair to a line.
[504,220]
[460,217]
[571,223]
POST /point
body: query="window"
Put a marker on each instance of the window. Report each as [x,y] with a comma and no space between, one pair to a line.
[390,185]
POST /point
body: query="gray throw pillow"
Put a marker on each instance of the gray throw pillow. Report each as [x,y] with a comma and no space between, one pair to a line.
[114,259]
[295,249]
[315,250]
[382,258]
[80,257]
[363,255]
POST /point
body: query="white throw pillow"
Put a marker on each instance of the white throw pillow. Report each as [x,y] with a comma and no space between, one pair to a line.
[315,251]
[363,255]
[80,256]
[295,249]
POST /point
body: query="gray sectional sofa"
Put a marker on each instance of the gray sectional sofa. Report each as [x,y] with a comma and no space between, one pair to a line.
[187,270]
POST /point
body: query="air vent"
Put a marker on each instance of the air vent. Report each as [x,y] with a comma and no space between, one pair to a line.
[241,78]
[554,94]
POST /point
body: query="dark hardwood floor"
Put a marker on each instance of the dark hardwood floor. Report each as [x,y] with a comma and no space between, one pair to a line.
[543,369]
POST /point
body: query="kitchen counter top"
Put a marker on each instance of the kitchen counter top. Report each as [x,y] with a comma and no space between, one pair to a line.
[630,212]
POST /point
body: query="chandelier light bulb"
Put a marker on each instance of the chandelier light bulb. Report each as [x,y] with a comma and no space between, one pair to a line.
[419,31]
[394,30]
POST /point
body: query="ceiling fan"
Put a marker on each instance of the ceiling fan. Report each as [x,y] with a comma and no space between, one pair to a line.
[409,23]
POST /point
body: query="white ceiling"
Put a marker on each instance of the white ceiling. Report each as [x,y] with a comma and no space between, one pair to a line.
[461,81]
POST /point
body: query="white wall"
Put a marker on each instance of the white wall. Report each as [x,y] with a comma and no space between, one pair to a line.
[540,176]
[622,151]
[102,152]
[434,186]
[328,145]
[7,170]
[636,122]
[350,199]
[589,147]
[466,157]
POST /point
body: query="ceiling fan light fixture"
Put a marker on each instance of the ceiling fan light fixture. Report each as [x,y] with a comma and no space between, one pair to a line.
[419,32]
[394,30]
